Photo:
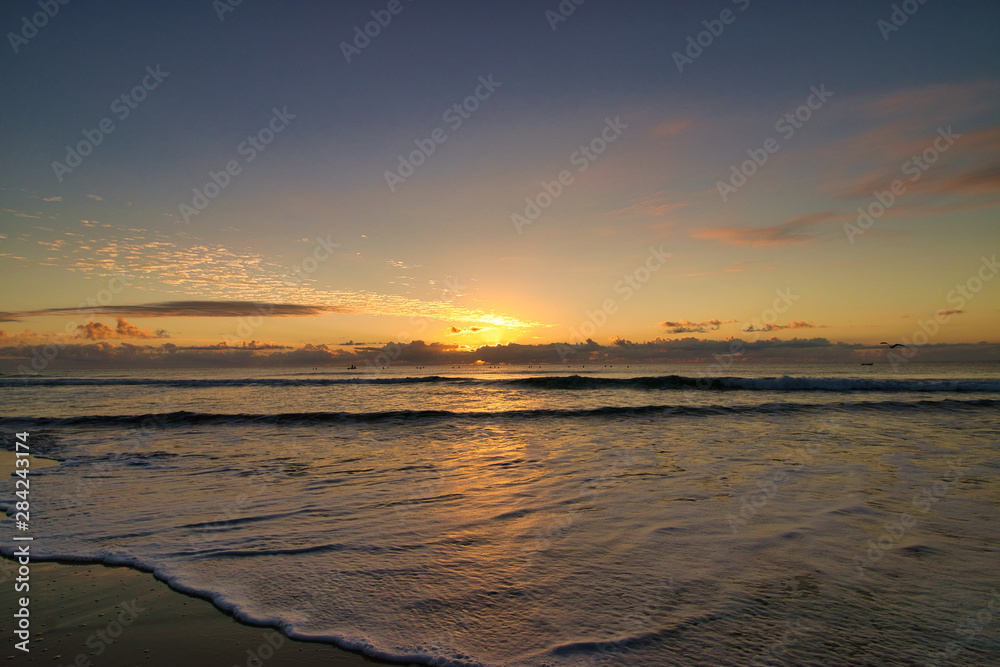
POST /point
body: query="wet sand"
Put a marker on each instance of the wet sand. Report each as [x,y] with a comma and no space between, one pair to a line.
[90,615]
[96,615]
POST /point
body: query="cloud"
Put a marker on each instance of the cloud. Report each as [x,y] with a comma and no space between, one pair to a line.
[982,180]
[395,263]
[153,261]
[904,122]
[188,309]
[943,101]
[686,326]
[913,122]
[782,234]
[652,213]
[123,329]
[669,128]
[51,198]
[96,198]
[252,345]
[417,352]
[456,330]
[21,214]
[780,327]
[950,312]
[27,336]
[705,353]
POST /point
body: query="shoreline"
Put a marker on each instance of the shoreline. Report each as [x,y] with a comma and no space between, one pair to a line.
[94,614]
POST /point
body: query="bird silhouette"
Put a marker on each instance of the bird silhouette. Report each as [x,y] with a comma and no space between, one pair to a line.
[893,345]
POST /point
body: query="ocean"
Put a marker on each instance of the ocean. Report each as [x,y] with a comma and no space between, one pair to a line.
[543,516]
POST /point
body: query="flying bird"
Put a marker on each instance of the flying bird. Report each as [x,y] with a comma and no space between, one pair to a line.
[893,345]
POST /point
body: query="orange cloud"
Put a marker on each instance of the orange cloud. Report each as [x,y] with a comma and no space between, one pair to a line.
[942,100]
[188,309]
[123,329]
[668,128]
[783,234]
[978,181]
[779,327]
[27,336]
[659,205]
[907,123]
[153,261]
[653,213]
[687,326]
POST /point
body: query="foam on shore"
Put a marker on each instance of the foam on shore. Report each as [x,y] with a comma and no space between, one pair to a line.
[117,615]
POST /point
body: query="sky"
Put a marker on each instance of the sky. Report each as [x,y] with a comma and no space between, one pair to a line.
[198,183]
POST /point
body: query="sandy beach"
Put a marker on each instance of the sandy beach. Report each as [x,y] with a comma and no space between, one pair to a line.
[86,615]
[97,615]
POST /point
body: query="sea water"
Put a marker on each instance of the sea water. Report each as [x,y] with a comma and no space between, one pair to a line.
[584,515]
